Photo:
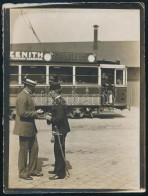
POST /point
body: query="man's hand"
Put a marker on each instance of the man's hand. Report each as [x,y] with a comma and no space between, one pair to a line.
[48,117]
[39,111]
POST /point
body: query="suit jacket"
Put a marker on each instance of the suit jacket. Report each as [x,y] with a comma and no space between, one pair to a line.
[59,116]
[25,115]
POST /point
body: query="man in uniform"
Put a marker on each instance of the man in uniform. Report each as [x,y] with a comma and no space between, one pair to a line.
[60,128]
[25,128]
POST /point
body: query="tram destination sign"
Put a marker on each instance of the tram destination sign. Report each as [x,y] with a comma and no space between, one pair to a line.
[52,56]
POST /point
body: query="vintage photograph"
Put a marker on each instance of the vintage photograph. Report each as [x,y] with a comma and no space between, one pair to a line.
[74,99]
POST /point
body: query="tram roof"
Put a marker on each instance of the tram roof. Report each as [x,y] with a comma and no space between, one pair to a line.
[101,64]
[108,51]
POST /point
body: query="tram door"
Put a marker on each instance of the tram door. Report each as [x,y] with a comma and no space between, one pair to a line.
[120,88]
[107,90]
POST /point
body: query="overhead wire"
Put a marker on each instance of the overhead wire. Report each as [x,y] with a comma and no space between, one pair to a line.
[27,21]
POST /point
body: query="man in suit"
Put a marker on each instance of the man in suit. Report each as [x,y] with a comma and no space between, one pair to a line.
[26,129]
[60,128]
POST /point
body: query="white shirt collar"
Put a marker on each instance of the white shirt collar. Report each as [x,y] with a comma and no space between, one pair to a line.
[26,91]
[57,97]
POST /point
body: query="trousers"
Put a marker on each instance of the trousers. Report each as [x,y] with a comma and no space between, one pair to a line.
[60,167]
[28,145]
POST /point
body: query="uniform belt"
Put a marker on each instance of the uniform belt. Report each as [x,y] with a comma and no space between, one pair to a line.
[56,133]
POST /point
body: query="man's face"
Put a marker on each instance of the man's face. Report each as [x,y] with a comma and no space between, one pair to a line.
[53,94]
[32,89]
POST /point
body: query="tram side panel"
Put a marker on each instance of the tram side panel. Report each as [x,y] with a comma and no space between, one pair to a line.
[82,98]
[75,97]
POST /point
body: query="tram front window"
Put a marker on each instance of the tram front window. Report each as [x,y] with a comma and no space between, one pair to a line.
[63,74]
[119,77]
[107,78]
[35,73]
[13,74]
[86,75]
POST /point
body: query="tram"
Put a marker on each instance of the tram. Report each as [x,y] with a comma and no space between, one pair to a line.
[88,85]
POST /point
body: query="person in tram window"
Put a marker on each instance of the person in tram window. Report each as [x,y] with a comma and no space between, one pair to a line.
[107,84]
[119,81]
[60,128]
[26,129]
[61,80]
[42,79]
[105,80]
[53,79]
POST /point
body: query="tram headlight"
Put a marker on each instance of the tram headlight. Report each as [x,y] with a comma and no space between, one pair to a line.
[47,57]
[91,58]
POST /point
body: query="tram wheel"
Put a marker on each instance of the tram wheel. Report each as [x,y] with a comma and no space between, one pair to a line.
[81,114]
[91,115]
[71,114]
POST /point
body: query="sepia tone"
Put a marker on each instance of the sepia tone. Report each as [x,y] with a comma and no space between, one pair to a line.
[103,146]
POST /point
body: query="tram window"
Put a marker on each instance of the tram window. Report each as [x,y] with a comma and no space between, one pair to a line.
[119,77]
[86,75]
[35,73]
[107,77]
[63,74]
[13,75]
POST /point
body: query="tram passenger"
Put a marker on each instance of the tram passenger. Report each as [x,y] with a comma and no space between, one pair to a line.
[61,80]
[53,79]
[60,128]
[79,81]
[107,84]
[42,79]
[26,129]
[119,80]
[105,80]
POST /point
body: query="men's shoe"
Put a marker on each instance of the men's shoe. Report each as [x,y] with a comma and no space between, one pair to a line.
[56,177]
[51,172]
[37,174]
[26,177]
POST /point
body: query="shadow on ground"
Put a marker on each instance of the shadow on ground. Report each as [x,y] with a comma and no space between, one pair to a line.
[109,116]
[69,166]
[41,163]
[106,115]
[112,115]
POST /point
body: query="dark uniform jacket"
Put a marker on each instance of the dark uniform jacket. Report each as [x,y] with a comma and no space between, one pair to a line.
[25,115]
[59,116]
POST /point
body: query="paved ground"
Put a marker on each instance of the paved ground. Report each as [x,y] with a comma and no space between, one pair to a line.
[102,153]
